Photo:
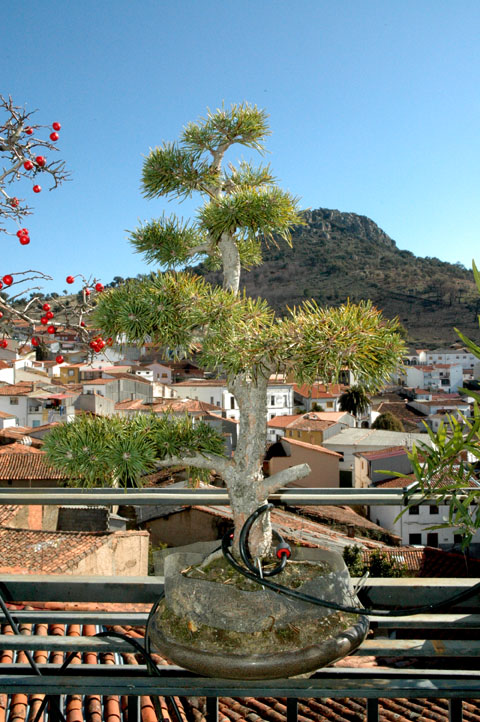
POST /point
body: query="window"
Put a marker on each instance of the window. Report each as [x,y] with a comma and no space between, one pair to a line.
[13,401]
[329,404]
[272,400]
[232,403]
[414,538]
[35,422]
[285,400]
[432,539]
[212,400]
[71,372]
[413,510]
[433,509]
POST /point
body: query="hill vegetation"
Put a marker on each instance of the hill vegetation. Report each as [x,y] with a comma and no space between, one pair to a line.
[338,256]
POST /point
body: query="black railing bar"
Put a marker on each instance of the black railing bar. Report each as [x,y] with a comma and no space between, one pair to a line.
[55,642]
[372,710]
[455,710]
[372,687]
[139,619]
[171,671]
[384,591]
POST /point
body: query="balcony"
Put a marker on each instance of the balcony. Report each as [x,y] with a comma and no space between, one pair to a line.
[422,657]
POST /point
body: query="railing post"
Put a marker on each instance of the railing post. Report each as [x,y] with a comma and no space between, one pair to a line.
[212,709]
[133,708]
[292,709]
[455,710]
[372,710]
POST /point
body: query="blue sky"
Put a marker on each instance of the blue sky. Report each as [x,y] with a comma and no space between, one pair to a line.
[374,109]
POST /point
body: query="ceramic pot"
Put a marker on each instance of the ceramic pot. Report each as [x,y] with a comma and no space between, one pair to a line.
[255,613]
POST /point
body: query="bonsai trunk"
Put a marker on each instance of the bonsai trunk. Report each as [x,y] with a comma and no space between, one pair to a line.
[245,478]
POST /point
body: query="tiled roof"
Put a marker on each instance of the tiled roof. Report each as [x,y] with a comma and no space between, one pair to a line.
[98,382]
[319,391]
[281,422]
[308,423]
[311,447]
[432,562]
[343,517]
[7,513]
[25,551]
[22,388]
[382,453]
[4,415]
[26,462]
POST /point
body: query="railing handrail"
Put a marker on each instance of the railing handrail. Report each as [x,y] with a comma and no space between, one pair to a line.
[205,497]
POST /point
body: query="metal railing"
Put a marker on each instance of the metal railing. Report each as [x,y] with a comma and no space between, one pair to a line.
[434,657]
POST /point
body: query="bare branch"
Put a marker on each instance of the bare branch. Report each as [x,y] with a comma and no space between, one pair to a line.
[202,461]
[284,477]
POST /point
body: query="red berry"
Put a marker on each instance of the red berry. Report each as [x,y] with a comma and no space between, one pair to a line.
[56,126]
[99,287]
[44,320]
[40,160]
[4,343]
[59,359]
[70,279]
[29,131]
[1,314]
[87,292]
[8,280]
[46,307]
[22,232]
[24,240]
[54,136]
[1,284]
[14,202]
[49,315]
[37,189]
[82,323]
[100,343]
[35,341]
[51,329]
[93,344]
[28,165]
[109,341]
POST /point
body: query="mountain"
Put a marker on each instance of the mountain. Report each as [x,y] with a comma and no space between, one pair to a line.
[338,256]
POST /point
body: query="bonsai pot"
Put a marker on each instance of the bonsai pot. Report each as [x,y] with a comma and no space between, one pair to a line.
[216,629]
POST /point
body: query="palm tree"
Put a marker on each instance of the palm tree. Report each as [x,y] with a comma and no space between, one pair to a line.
[354,400]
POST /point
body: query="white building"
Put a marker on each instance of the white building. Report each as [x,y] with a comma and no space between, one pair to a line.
[215,392]
[443,377]
[351,441]
[37,406]
[412,525]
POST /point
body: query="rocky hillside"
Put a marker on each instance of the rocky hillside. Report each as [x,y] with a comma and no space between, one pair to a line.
[337,255]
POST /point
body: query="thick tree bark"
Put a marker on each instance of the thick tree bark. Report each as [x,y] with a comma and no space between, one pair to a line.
[231,262]
[244,479]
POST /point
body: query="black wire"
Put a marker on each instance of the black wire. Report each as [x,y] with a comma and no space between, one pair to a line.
[254,576]
[245,551]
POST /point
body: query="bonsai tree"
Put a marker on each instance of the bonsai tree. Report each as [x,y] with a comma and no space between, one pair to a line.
[241,338]
[27,151]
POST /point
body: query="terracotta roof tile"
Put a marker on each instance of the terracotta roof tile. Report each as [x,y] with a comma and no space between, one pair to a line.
[26,462]
[311,447]
[319,391]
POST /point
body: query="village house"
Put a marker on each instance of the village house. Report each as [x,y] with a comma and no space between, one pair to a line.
[35,403]
[324,463]
[441,376]
[320,397]
[216,393]
[119,387]
[373,467]
[351,441]
[412,525]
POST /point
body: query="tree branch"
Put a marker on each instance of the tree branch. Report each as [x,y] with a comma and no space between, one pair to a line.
[202,461]
[284,477]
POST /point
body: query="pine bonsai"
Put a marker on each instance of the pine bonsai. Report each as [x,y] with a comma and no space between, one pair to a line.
[241,338]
